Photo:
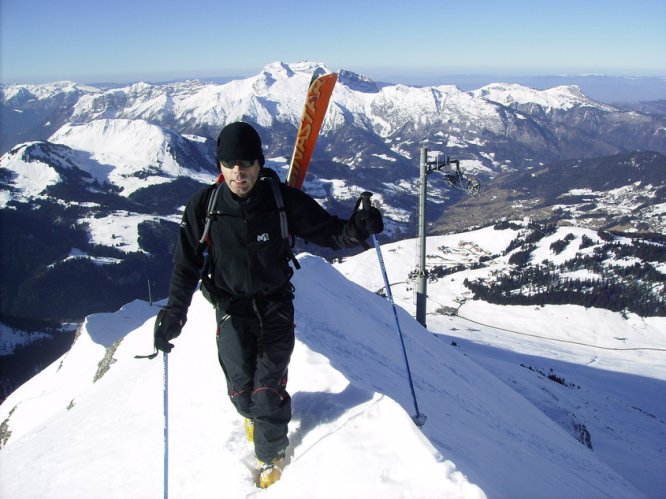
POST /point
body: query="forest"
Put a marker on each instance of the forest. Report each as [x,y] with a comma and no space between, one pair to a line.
[620,277]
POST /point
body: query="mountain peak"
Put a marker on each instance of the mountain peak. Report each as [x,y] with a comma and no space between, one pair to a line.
[133,153]
[283,69]
[563,97]
[357,82]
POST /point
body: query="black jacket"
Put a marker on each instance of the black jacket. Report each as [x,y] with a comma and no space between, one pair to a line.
[248,257]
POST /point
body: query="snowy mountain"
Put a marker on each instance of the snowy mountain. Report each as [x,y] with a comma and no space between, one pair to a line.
[135,149]
[99,201]
[93,180]
[127,155]
[372,129]
[491,431]
[563,98]
[378,127]
[469,124]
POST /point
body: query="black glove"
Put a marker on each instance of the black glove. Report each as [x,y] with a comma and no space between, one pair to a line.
[366,218]
[168,325]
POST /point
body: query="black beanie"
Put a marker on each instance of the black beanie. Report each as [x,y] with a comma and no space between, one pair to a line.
[239,141]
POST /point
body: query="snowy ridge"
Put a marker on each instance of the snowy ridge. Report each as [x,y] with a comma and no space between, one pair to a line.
[351,426]
[275,95]
[395,107]
[129,149]
[564,97]
[496,129]
[128,154]
[14,94]
[276,92]
[29,179]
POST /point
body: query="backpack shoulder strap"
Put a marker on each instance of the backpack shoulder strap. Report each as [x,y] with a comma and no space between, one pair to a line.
[284,226]
[212,200]
[279,202]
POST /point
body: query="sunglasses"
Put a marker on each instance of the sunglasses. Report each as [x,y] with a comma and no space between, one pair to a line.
[243,163]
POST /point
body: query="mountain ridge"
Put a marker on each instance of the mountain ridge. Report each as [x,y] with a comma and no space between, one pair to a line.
[482,436]
[191,104]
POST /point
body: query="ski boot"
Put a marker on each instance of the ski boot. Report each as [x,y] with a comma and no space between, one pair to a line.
[249,429]
[269,472]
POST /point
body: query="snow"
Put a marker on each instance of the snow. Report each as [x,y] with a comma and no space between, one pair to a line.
[29,179]
[498,425]
[544,253]
[625,200]
[617,363]
[44,91]
[119,229]
[330,416]
[659,208]
[77,254]
[393,107]
[114,134]
[493,428]
[562,97]
[128,153]
[567,323]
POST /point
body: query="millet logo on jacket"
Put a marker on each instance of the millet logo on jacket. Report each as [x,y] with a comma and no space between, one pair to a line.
[262,238]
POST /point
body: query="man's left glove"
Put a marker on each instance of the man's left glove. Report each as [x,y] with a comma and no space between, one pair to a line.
[168,325]
[366,218]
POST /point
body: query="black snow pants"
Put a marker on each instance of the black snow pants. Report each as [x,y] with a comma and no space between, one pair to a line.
[254,353]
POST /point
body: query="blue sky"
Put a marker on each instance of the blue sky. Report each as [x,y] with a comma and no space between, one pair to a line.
[121,40]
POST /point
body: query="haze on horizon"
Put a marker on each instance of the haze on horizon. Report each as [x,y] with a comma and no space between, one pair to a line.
[419,43]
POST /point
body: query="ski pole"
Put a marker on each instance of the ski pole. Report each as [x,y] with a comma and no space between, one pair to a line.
[166,425]
[419,419]
[165,404]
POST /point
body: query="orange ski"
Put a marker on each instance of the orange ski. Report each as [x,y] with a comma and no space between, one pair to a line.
[316,104]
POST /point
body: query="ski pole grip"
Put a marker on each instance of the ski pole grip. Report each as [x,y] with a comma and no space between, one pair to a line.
[365,200]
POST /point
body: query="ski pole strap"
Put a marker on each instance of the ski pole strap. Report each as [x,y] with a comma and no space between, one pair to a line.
[150,357]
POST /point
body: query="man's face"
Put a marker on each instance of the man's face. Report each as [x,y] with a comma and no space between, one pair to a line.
[240,176]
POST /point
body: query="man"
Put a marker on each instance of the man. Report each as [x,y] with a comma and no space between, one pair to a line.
[246,275]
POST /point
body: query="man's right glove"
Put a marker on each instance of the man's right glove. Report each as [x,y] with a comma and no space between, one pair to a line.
[168,324]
